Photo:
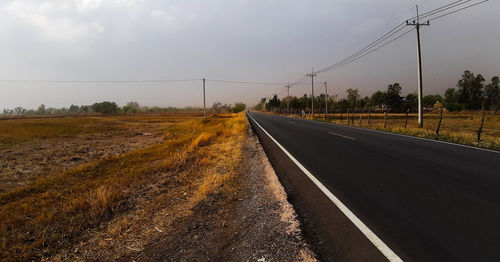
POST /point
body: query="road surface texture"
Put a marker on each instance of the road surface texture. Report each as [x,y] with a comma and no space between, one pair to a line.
[423,200]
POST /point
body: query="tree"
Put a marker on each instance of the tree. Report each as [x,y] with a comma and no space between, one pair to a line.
[352,96]
[273,103]
[261,105]
[378,99]
[430,100]
[492,92]
[238,107]
[74,109]
[451,100]
[131,107]
[105,107]
[411,101]
[217,107]
[470,90]
[392,96]
[41,109]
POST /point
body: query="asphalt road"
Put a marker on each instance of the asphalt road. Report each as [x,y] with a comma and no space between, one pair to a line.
[426,200]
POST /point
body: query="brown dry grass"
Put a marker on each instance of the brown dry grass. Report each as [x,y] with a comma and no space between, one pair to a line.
[456,127]
[115,194]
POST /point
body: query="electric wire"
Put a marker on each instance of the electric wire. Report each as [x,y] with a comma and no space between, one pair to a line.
[454,11]
[97,81]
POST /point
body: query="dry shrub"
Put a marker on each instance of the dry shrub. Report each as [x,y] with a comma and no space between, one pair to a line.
[102,199]
[202,140]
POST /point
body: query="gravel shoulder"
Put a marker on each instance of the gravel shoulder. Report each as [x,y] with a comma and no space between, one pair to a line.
[255,224]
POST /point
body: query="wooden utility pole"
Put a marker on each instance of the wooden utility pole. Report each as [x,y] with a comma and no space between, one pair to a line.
[204,101]
[326,102]
[312,75]
[288,99]
[417,26]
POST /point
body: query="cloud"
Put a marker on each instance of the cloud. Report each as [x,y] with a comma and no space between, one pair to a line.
[62,21]
[90,5]
[44,16]
[164,15]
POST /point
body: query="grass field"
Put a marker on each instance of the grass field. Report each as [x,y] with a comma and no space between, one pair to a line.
[460,127]
[110,197]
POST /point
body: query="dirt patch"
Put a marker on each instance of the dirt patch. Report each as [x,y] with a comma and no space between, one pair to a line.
[22,164]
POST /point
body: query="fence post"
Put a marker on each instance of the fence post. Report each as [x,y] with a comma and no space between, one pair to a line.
[347,118]
[440,119]
[480,129]
[406,117]
[360,116]
[369,115]
[352,118]
[385,118]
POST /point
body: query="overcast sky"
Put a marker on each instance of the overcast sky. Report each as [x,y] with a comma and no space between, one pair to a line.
[240,40]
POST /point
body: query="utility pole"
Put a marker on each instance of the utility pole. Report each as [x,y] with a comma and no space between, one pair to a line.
[288,99]
[326,102]
[312,75]
[417,26]
[204,101]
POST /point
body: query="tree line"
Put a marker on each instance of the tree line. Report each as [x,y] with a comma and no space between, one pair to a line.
[471,93]
[107,107]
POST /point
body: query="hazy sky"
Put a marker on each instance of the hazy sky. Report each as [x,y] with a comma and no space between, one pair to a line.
[241,40]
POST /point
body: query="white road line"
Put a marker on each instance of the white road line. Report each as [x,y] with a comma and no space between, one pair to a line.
[335,134]
[386,251]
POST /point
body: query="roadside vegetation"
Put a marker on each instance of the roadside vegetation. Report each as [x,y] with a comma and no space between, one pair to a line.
[470,112]
[112,198]
[111,108]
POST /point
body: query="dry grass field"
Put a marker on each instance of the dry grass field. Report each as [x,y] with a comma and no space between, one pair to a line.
[456,127]
[107,181]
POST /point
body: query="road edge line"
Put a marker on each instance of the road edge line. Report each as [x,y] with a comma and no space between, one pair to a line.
[374,239]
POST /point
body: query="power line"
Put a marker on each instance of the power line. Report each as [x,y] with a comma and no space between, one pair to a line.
[245,82]
[97,81]
[363,50]
[454,11]
[368,49]
[440,9]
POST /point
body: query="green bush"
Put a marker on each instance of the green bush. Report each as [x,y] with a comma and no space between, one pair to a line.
[238,107]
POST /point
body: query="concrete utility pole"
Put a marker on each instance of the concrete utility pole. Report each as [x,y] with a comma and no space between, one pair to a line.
[288,99]
[204,101]
[417,26]
[312,75]
[326,101]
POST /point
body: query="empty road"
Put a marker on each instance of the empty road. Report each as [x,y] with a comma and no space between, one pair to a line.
[424,200]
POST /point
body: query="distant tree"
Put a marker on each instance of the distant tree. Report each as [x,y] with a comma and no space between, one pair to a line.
[470,90]
[131,107]
[41,109]
[411,101]
[492,92]
[451,100]
[85,109]
[273,104]
[19,111]
[352,96]
[261,105]
[74,109]
[238,107]
[217,107]
[378,99]
[430,100]
[105,107]
[392,96]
